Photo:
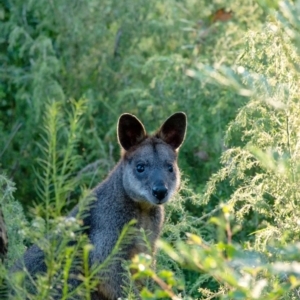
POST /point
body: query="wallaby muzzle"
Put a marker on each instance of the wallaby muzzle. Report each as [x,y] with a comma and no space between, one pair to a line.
[159,191]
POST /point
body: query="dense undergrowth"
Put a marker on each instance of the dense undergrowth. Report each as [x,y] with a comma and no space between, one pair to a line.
[233,67]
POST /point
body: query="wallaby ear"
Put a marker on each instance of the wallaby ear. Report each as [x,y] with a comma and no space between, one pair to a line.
[173,130]
[130,131]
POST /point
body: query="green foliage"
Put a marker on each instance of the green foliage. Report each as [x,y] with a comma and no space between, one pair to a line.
[14,219]
[13,226]
[232,232]
[61,134]
[261,165]
[241,273]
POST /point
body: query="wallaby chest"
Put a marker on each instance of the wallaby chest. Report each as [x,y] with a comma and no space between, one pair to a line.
[149,224]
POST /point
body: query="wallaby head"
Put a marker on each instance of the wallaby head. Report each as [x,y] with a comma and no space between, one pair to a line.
[150,171]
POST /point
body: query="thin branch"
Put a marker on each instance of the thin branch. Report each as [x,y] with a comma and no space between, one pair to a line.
[214,295]
[117,42]
[14,131]
[165,287]
[206,215]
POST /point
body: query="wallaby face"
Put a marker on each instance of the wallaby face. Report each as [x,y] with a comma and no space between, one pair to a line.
[150,172]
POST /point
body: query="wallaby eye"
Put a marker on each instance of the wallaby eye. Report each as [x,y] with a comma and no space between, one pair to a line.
[140,168]
[170,168]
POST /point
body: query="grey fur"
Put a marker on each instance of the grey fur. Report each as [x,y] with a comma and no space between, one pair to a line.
[146,176]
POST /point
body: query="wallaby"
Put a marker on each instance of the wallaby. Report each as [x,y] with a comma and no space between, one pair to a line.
[146,177]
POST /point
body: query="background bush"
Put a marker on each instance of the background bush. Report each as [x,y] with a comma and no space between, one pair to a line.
[232,67]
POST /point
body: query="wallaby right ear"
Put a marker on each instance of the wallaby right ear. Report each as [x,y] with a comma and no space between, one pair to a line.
[130,131]
[173,130]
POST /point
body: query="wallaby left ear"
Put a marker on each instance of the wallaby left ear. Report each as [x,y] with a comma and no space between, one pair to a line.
[131,131]
[173,130]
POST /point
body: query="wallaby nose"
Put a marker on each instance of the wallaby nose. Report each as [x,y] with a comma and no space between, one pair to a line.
[160,191]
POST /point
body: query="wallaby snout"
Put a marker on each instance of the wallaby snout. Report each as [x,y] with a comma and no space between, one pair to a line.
[159,191]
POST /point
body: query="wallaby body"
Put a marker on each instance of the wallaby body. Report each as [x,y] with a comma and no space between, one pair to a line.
[146,176]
